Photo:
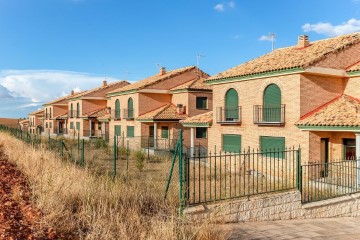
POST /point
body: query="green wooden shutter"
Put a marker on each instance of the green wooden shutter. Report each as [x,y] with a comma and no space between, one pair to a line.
[130,131]
[71,125]
[78,126]
[231,143]
[117,130]
[71,110]
[274,145]
[78,110]
[130,108]
[272,103]
[117,109]
[50,124]
[164,132]
[231,105]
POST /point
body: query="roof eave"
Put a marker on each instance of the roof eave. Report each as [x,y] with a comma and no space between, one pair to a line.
[329,128]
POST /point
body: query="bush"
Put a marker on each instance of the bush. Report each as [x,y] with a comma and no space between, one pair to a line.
[100,143]
[140,159]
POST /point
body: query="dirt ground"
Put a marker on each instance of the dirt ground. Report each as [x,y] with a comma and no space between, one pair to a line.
[19,218]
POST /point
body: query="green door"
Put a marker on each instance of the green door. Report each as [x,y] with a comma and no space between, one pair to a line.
[231,143]
[272,104]
[231,105]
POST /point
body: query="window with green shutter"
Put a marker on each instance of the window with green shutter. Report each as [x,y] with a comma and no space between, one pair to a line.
[78,110]
[117,109]
[231,105]
[78,126]
[164,132]
[71,125]
[201,132]
[201,102]
[272,103]
[46,125]
[117,130]
[274,146]
[130,131]
[50,124]
[231,143]
[130,108]
[71,110]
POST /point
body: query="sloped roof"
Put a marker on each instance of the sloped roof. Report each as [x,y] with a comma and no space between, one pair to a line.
[290,57]
[197,84]
[355,67]
[24,121]
[100,91]
[105,117]
[61,100]
[167,112]
[100,112]
[204,118]
[340,112]
[37,112]
[62,116]
[153,79]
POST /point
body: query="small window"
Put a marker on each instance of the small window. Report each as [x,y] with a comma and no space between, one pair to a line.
[46,125]
[164,132]
[201,103]
[71,125]
[349,149]
[273,146]
[130,131]
[50,124]
[117,130]
[78,126]
[231,143]
[201,132]
[99,126]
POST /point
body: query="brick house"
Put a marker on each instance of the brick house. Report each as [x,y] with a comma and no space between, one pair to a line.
[24,125]
[148,112]
[36,121]
[84,109]
[53,109]
[304,95]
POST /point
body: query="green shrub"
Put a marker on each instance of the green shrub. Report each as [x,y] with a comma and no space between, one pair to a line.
[140,159]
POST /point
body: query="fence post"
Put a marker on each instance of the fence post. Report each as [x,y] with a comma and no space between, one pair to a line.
[83,153]
[78,141]
[62,148]
[181,172]
[127,160]
[115,154]
[298,170]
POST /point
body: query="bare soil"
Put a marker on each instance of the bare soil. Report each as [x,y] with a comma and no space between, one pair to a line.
[19,218]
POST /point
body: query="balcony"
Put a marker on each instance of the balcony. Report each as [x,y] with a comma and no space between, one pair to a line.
[115,114]
[73,114]
[229,115]
[128,114]
[269,116]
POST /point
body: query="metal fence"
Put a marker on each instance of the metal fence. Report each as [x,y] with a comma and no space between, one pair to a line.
[322,181]
[222,176]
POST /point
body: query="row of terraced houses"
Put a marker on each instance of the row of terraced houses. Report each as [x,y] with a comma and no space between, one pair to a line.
[305,95]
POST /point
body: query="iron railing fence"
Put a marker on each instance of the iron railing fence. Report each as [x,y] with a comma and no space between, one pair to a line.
[222,176]
[269,115]
[322,181]
[128,113]
[115,114]
[228,115]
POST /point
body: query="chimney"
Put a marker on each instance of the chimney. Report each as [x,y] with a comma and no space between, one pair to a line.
[162,71]
[180,109]
[104,83]
[303,41]
[72,92]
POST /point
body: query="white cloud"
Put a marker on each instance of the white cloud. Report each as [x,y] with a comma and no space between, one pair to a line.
[352,25]
[219,7]
[26,89]
[231,4]
[265,38]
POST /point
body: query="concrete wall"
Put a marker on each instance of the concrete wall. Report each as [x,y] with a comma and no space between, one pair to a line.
[277,206]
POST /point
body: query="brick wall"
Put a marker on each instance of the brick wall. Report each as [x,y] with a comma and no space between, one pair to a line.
[352,87]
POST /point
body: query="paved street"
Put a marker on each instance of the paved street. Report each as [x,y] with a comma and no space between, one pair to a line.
[328,228]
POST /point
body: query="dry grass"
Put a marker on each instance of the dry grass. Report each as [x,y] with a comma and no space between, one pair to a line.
[90,206]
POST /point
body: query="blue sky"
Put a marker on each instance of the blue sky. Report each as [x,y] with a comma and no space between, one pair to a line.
[48,47]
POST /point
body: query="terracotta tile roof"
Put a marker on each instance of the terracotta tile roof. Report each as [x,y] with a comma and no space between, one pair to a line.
[37,112]
[167,112]
[96,113]
[290,57]
[24,121]
[205,118]
[105,117]
[100,91]
[61,100]
[154,79]
[341,111]
[355,67]
[197,84]
[62,116]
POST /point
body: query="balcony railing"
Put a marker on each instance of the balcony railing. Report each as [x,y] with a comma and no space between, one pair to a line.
[73,114]
[269,115]
[128,113]
[229,115]
[115,114]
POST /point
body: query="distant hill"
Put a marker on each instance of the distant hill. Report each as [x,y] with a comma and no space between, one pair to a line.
[10,122]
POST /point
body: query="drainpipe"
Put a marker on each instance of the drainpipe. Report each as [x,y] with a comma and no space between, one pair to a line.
[357,158]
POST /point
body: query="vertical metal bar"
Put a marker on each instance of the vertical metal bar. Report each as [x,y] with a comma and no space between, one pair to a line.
[127,160]
[115,155]
[220,175]
[210,180]
[181,172]
[215,175]
[83,153]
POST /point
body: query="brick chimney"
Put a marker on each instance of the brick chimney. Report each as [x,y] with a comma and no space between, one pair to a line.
[162,71]
[303,41]
[104,83]
[72,92]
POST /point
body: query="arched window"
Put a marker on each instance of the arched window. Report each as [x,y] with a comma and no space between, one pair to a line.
[78,110]
[231,105]
[46,113]
[71,110]
[117,109]
[130,110]
[272,103]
